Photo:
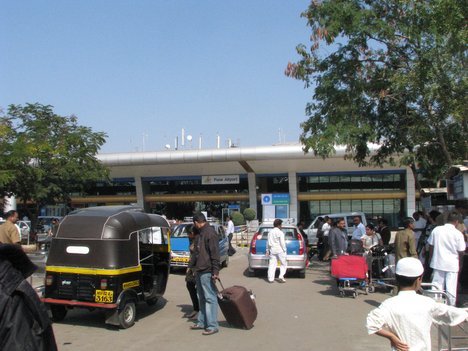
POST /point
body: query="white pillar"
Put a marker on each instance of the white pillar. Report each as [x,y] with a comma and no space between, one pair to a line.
[252,191]
[293,203]
[410,193]
[139,192]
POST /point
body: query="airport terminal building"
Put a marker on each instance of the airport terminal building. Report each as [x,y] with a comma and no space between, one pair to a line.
[279,180]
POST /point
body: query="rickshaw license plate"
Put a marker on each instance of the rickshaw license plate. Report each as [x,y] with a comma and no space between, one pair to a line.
[105,296]
[180,259]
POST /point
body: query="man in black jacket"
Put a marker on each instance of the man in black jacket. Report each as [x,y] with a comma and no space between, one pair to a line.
[206,267]
[24,322]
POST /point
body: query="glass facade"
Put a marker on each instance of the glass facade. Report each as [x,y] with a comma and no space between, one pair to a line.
[352,182]
[192,185]
[390,209]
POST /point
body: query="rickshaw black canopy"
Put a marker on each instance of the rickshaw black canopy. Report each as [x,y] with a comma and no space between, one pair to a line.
[110,233]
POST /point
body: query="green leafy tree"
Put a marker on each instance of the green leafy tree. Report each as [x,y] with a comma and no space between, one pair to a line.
[48,155]
[249,214]
[237,218]
[388,72]
[6,174]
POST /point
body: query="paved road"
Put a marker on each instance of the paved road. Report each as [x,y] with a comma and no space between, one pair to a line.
[303,314]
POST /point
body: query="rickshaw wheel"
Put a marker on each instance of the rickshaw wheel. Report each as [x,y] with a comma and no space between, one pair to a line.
[58,312]
[127,315]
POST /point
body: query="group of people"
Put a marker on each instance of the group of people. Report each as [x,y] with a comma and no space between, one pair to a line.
[334,237]
[406,319]
[442,250]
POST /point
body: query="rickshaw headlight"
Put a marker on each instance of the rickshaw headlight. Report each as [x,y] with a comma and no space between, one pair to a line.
[103,284]
[49,280]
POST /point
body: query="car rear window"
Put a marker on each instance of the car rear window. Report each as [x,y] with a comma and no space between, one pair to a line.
[180,231]
[289,233]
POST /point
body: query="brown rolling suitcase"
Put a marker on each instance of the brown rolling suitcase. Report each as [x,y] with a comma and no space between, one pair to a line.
[238,306]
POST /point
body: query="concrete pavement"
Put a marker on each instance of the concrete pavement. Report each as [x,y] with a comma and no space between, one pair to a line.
[303,314]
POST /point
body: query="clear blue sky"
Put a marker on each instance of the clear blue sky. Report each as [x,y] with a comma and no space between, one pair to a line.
[143,70]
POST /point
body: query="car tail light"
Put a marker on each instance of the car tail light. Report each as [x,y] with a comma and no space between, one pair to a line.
[49,280]
[103,284]
[301,244]
[253,244]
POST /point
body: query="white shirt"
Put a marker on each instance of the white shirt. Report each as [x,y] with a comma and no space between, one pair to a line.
[276,243]
[326,228]
[359,231]
[410,316]
[230,227]
[447,242]
[419,226]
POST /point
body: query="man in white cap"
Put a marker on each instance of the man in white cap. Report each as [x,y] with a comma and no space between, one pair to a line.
[406,319]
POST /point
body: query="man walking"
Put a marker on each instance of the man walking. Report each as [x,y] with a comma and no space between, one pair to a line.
[206,267]
[447,246]
[230,233]
[405,245]
[326,227]
[277,252]
[359,229]
[338,238]
[9,233]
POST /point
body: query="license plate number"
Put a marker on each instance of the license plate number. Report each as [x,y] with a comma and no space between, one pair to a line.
[180,259]
[105,296]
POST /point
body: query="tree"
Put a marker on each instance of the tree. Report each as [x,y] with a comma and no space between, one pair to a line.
[393,73]
[249,214]
[237,218]
[47,156]
[6,134]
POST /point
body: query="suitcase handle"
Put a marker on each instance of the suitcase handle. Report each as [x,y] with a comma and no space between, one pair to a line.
[220,283]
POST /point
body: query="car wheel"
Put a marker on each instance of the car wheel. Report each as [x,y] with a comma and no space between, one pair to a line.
[301,274]
[127,315]
[58,312]
[251,272]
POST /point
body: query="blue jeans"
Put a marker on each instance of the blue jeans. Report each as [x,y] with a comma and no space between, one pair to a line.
[207,297]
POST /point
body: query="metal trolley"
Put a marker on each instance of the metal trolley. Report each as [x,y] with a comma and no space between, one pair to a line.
[448,338]
[381,262]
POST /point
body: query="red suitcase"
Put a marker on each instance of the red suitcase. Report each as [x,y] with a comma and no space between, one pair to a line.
[349,267]
[238,306]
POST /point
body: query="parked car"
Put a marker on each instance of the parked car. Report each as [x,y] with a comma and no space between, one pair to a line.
[311,230]
[296,253]
[180,254]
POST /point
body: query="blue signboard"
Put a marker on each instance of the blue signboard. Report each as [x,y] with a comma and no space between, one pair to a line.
[280,199]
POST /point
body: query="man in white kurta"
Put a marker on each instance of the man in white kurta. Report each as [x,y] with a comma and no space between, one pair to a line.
[277,251]
[447,244]
[406,319]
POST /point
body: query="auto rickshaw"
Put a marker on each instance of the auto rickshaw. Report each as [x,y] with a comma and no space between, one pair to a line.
[109,258]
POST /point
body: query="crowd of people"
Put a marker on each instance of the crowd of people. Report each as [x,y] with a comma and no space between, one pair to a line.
[431,247]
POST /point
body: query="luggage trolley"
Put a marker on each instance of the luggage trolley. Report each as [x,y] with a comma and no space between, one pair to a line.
[448,338]
[381,262]
[351,274]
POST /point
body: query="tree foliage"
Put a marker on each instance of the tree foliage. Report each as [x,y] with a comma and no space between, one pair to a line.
[237,218]
[45,156]
[249,214]
[389,72]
